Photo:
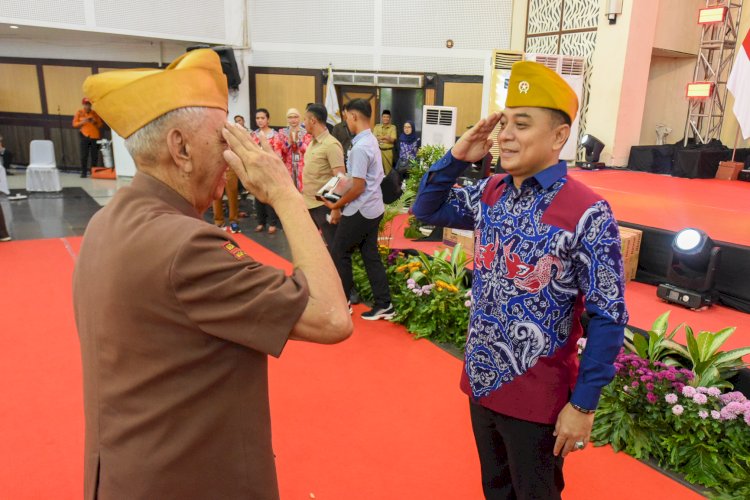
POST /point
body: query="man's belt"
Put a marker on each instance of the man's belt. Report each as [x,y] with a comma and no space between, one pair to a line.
[386,148]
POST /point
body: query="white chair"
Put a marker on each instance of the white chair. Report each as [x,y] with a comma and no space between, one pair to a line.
[42,174]
[3,179]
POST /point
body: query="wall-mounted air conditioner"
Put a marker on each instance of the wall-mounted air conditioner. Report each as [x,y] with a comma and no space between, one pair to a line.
[571,69]
[439,125]
[377,79]
[502,60]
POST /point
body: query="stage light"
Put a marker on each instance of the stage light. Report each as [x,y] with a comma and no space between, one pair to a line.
[593,147]
[692,270]
[699,90]
[712,15]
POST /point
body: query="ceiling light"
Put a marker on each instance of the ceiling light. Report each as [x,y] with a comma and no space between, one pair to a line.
[13,27]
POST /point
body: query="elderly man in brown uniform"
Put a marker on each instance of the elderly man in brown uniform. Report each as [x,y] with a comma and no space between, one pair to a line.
[175,320]
[324,158]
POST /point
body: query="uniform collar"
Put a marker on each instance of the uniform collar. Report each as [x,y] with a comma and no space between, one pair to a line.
[154,187]
[321,136]
[547,177]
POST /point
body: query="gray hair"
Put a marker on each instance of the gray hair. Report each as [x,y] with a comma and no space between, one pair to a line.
[147,141]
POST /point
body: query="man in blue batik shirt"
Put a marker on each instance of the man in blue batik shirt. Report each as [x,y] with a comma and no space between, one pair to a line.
[546,249]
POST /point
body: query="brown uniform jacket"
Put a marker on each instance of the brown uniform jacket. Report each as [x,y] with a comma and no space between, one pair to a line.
[175,324]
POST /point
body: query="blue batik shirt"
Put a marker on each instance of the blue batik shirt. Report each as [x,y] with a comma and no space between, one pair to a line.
[543,253]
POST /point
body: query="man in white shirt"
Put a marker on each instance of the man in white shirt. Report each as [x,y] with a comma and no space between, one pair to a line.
[362,211]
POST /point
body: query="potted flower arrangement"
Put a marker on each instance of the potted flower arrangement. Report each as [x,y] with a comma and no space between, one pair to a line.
[667,403]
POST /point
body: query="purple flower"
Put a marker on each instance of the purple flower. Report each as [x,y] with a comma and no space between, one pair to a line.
[646,378]
[715,415]
[714,391]
[467,303]
[727,414]
[649,387]
[468,293]
[670,376]
[670,398]
[733,397]
[700,398]
[678,386]
[618,367]
[677,410]
[688,391]
[634,385]
[703,414]
[702,390]
[651,398]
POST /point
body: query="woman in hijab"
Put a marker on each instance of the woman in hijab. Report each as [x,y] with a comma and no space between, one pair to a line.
[408,144]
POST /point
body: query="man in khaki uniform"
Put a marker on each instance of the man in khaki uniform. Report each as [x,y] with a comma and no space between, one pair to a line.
[324,158]
[386,134]
[175,320]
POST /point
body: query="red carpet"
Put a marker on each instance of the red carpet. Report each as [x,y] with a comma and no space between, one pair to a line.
[377,417]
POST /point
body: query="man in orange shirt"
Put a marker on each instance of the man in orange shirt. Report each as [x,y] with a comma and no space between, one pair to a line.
[88,123]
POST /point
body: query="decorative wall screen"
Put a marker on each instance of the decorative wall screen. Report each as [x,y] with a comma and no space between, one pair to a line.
[565,27]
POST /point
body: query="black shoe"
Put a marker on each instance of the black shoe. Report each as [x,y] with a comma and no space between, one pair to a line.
[379,312]
[354,297]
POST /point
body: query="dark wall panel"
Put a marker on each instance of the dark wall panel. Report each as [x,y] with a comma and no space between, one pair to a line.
[17,139]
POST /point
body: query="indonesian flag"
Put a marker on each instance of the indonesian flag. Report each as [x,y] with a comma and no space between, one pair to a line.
[739,85]
[332,100]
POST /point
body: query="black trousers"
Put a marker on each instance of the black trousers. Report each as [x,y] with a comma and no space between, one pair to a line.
[358,232]
[516,457]
[318,215]
[3,228]
[89,149]
[265,214]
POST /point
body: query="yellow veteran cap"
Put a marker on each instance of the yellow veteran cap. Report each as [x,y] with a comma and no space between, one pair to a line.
[130,99]
[534,85]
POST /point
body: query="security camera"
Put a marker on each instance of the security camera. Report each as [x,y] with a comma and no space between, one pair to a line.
[614,8]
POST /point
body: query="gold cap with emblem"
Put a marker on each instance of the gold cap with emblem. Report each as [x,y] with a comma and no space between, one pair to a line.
[534,85]
[127,100]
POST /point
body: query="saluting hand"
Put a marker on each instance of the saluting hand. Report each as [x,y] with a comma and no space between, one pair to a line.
[259,169]
[476,142]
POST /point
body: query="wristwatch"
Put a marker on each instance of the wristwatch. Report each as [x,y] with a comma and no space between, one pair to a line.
[582,410]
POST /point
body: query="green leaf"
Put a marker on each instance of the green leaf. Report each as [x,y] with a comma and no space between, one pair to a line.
[641,346]
[418,275]
[704,345]
[717,339]
[692,345]
[653,344]
[660,325]
[732,358]
[674,332]
[676,347]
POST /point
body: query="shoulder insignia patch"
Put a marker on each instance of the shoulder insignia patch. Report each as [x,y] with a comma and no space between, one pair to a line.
[235,251]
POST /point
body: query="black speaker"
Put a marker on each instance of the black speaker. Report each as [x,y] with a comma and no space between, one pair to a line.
[228,63]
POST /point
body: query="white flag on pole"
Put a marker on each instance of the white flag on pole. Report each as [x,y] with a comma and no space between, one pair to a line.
[332,100]
[739,85]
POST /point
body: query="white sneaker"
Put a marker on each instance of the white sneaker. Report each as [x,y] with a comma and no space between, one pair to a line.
[379,312]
